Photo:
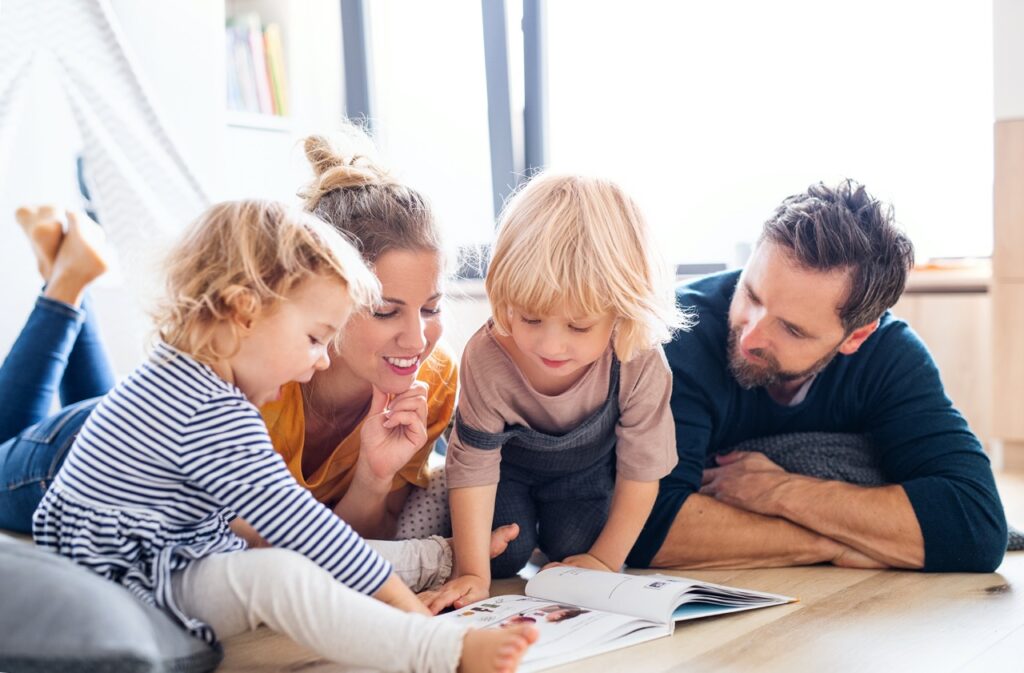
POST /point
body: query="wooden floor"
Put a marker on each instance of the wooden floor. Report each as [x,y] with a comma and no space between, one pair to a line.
[846,620]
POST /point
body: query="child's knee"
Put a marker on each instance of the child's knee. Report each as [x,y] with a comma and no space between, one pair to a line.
[567,534]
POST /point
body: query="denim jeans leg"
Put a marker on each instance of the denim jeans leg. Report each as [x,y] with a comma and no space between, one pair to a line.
[35,365]
[30,461]
[88,373]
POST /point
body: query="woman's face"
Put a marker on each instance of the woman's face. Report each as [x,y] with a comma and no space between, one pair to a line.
[385,347]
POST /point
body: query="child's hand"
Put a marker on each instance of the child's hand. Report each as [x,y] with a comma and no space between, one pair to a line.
[458,593]
[397,595]
[580,561]
[392,433]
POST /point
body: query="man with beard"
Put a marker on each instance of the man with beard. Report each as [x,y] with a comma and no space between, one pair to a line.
[801,341]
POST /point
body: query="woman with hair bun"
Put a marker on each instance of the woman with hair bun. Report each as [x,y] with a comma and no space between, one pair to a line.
[393,348]
[317,427]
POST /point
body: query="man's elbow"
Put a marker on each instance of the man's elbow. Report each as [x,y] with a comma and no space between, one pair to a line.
[982,553]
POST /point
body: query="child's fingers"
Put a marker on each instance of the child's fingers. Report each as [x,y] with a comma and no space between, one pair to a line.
[444,598]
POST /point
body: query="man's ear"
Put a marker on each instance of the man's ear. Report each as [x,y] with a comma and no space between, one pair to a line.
[857,337]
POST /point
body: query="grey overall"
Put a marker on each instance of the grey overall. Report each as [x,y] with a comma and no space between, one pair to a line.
[558,488]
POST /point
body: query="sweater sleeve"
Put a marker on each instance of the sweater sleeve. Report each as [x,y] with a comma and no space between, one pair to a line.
[645,434]
[694,413]
[927,447]
[467,465]
[227,452]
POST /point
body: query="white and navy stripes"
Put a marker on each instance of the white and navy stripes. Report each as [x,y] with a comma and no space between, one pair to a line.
[162,465]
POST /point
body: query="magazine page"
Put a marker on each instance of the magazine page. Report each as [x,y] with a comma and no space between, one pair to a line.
[704,599]
[633,595]
[651,597]
[567,632]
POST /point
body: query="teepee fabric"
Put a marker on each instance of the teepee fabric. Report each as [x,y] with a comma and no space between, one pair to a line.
[142,189]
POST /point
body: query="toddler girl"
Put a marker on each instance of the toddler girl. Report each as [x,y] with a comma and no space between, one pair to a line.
[563,424]
[255,295]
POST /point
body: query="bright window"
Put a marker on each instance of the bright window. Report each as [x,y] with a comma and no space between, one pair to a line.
[430,108]
[711,113]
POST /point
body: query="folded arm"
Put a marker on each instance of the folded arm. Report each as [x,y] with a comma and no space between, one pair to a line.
[879,522]
[708,533]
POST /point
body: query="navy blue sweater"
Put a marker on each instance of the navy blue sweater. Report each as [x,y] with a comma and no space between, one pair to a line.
[889,390]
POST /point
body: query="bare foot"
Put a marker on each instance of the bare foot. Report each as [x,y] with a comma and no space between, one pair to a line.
[45,231]
[501,536]
[495,650]
[80,260]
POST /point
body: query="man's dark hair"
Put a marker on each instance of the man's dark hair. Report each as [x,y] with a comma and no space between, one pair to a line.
[844,227]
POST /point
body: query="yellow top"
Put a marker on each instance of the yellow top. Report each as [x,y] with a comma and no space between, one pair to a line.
[329,482]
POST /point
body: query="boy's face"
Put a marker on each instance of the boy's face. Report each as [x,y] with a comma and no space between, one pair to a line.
[562,344]
[290,342]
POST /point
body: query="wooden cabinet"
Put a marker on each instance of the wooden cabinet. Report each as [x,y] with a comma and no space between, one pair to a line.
[957,328]
[1008,291]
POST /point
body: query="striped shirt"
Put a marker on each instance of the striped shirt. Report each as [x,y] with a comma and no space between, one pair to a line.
[163,464]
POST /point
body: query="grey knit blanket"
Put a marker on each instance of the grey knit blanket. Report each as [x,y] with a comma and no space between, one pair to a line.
[838,456]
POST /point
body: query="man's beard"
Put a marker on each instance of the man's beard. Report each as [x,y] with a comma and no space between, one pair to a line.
[750,375]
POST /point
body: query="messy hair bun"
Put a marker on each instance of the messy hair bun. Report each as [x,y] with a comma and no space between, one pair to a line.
[334,170]
[361,199]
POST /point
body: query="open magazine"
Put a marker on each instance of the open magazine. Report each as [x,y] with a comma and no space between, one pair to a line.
[581,613]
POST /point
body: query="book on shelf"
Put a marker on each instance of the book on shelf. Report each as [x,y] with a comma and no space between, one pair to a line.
[255,71]
[275,67]
[582,613]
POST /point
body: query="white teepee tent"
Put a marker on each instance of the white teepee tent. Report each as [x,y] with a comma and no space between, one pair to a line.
[142,188]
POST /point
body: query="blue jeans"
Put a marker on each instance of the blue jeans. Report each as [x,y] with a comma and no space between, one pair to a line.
[58,352]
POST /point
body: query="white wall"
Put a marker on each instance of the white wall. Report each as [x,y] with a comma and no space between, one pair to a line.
[1008,26]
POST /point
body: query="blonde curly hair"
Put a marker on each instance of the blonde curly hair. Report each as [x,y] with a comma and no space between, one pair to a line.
[242,258]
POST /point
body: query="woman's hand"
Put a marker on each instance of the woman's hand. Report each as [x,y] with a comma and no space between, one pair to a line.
[394,430]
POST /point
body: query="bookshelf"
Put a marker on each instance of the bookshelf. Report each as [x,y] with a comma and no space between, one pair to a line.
[262,154]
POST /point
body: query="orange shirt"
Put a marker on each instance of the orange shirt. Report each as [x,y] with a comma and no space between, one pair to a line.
[287,426]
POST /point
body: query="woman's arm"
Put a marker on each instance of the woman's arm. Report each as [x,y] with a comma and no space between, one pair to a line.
[391,434]
[373,510]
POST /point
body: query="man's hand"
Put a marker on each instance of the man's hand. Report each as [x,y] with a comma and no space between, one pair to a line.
[392,434]
[580,561]
[746,479]
[457,593]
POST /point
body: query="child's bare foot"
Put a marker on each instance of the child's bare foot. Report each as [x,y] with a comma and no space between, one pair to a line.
[79,261]
[45,231]
[495,650]
[501,536]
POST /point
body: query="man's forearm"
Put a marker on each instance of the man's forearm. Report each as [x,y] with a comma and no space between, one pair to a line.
[877,521]
[710,534]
